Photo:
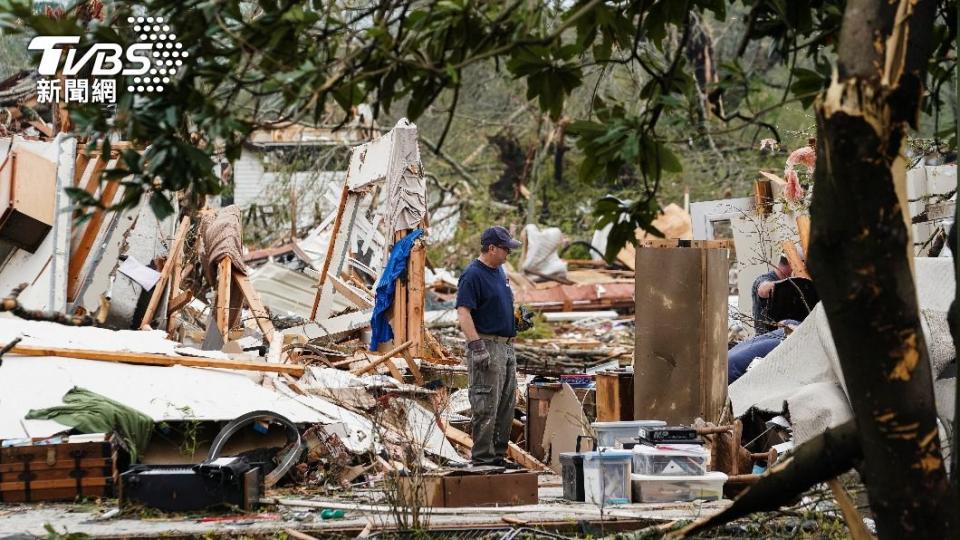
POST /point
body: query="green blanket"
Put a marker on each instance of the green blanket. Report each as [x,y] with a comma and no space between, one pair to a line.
[88,412]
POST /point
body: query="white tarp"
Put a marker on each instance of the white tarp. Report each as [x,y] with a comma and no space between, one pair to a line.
[541,251]
[803,374]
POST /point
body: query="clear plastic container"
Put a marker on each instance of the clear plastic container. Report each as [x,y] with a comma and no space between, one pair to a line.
[608,432]
[670,460]
[666,489]
[606,477]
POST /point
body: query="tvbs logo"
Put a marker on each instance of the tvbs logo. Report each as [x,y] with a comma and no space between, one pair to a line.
[149,64]
[107,58]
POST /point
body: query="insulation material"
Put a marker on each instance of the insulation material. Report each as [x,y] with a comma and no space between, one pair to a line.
[162,393]
[423,431]
[803,374]
[221,235]
[405,184]
[541,251]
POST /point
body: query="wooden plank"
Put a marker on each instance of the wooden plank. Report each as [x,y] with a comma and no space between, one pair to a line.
[49,484]
[153,359]
[796,263]
[61,464]
[350,293]
[524,459]
[177,303]
[158,289]
[83,159]
[224,273]
[331,244]
[175,280]
[858,531]
[386,356]
[398,313]
[514,452]
[417,376]
[415,297]
[256,306]
[803,227]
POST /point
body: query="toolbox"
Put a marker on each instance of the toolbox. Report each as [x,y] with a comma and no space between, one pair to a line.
[58,472]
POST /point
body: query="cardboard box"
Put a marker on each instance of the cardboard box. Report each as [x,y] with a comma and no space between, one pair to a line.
[453,490]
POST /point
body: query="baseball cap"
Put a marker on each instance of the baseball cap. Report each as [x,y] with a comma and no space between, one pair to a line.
[498,236]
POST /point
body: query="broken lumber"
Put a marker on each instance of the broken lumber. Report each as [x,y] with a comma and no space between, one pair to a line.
[161,285]
[256,306]
[156,359]
[386,356]
[514,452]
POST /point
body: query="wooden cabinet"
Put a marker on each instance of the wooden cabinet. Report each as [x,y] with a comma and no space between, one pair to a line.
[614,396]
[28,184]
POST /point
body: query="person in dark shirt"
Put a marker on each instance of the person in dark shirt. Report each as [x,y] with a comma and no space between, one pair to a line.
[485,312]
[762,290]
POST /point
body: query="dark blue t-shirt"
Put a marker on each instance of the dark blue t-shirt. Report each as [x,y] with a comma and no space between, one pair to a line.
[486,291]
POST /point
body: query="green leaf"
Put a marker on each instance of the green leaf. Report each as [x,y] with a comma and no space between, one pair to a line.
[160,205]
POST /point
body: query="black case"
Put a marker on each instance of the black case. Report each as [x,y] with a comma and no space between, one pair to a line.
[228,482]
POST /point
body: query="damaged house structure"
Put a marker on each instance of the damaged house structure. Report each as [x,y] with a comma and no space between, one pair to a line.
[306,386]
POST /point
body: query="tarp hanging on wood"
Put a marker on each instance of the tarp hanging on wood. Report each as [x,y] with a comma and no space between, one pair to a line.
[395,268]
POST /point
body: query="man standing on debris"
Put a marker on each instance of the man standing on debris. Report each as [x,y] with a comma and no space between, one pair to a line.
[762,291]
[485,312]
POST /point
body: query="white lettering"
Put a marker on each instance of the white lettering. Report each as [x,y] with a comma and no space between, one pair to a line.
[112,56]
[142,59]
[50,60]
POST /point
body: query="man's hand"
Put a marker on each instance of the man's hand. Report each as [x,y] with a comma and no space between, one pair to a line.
[477,354]
[765,289]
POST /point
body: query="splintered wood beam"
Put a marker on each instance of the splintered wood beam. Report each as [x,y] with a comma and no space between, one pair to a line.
[349,293]
[412,365]
[386,356]
[803,228]
[91,230]
[331,243]
[398,315]
[415,297]
[153,359]
[161,285]
[224,273]
[176,303]
[256,306]
[796,263]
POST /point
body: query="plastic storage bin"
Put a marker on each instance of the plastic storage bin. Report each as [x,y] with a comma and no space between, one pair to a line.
[572,474]
[665,489]
[606,477]
[608,432]
[670,459]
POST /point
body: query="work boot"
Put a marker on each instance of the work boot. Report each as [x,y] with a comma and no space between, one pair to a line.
[501,462]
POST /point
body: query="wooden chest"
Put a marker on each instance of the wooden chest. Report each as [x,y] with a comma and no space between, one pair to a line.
[57,472]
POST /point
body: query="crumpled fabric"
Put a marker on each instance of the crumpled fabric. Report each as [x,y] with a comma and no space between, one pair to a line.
[89,412]
[395,268]
[221,235]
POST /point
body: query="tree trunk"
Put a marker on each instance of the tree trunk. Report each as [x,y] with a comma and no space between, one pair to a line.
[860,263]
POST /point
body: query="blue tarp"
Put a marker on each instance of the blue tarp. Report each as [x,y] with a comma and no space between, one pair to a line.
[395,268]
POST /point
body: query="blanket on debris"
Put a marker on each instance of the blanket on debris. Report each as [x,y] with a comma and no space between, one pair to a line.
[395,268]
[89,412]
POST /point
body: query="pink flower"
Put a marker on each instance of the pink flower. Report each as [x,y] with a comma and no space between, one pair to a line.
[806,156]
[792,191]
